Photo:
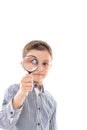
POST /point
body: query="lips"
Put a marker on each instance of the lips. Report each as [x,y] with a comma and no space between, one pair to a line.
[38,74]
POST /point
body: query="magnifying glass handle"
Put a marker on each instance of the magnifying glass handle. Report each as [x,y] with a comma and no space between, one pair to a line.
[29,72]
[33,81]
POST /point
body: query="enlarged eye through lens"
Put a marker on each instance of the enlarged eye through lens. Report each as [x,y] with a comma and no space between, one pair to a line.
[30,63]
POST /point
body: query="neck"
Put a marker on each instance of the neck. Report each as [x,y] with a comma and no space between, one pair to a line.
[39,85]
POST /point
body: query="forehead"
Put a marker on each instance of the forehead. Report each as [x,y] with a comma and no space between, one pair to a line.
[40,54]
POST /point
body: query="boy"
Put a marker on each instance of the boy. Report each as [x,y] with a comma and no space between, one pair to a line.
[27,106]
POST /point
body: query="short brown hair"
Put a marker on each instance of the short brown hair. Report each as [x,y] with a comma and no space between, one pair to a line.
[37,45]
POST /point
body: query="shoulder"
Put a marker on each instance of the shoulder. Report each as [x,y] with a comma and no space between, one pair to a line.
[12,90]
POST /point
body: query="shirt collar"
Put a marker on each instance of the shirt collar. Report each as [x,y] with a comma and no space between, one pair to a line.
[42,88]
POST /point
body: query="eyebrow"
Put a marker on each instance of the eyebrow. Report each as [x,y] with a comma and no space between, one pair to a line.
[46,60]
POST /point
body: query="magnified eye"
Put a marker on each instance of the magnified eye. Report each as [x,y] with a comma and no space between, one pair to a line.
[30,63]
[34,61]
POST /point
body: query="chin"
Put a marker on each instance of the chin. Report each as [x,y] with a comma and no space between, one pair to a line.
[38,81]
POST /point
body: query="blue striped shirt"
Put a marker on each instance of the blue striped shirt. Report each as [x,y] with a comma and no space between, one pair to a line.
[36,113]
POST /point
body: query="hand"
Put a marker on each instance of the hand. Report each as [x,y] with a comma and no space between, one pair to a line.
[26,85]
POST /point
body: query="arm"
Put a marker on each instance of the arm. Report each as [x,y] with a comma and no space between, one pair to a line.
[25,87]
[53,125]
[8,115]
[13,102]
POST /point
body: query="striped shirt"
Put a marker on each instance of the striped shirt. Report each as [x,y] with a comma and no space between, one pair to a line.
[38,112]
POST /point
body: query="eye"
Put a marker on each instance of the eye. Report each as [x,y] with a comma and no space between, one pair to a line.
[35,61]
[45,64]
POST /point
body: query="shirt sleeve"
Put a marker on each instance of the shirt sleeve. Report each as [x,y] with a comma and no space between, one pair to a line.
[53,123]
[8,115]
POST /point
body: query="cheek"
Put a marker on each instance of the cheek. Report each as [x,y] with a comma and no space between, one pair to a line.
[45,73]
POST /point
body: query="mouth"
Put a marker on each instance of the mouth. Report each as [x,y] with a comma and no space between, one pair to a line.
[38,74]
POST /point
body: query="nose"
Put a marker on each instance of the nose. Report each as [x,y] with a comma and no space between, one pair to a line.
[40,68]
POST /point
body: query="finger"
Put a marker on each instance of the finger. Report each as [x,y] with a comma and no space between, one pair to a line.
[27,79]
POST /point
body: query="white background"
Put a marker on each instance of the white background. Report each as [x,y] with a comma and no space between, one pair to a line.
[63,24]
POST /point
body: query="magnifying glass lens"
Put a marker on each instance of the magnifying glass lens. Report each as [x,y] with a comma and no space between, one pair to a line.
[30,63]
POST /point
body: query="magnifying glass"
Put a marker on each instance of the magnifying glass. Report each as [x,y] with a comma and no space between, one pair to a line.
[30,63]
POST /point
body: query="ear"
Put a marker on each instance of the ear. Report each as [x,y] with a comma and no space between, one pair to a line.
[21,63]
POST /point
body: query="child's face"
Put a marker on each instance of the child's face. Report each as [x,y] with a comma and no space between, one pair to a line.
[44,64]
